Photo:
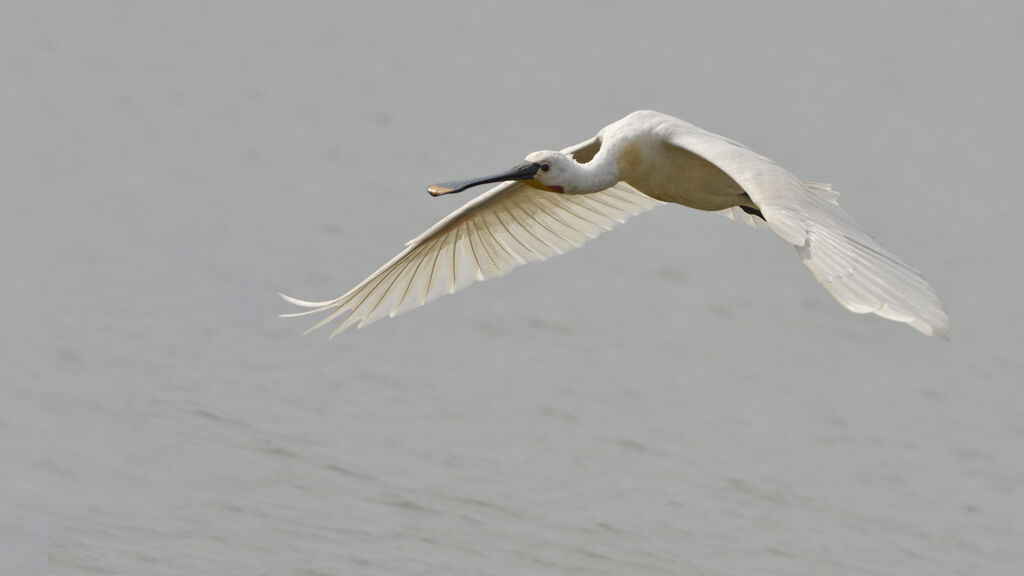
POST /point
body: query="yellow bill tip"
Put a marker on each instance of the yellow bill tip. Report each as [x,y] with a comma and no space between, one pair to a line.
[437,190]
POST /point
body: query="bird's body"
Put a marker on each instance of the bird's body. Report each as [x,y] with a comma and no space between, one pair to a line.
[556,201]
[645,160]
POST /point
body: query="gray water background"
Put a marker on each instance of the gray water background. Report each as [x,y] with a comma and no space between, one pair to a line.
[677,397]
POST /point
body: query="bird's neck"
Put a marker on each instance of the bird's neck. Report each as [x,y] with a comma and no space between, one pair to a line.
[594,176]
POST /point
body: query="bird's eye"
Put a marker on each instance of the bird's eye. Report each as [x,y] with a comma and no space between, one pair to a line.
[545,167]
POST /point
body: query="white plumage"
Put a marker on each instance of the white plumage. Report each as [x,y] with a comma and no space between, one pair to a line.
[556,201]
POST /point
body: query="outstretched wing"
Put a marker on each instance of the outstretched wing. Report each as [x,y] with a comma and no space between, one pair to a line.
[503,228]
[858,272]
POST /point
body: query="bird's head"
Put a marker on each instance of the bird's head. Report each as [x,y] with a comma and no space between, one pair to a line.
[554,172]
[544,170]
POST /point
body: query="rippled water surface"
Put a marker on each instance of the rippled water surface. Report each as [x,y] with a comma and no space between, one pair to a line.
[678,397]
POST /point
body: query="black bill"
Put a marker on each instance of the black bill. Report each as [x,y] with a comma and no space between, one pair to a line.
[524,171]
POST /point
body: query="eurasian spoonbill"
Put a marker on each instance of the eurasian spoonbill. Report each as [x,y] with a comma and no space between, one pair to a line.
[555,201]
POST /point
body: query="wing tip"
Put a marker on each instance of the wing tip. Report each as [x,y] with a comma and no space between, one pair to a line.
[940,327]
[305,303]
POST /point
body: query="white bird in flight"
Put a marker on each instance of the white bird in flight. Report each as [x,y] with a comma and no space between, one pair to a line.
[556,201]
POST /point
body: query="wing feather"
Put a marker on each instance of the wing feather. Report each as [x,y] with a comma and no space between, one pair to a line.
[853,267]
[508,226]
